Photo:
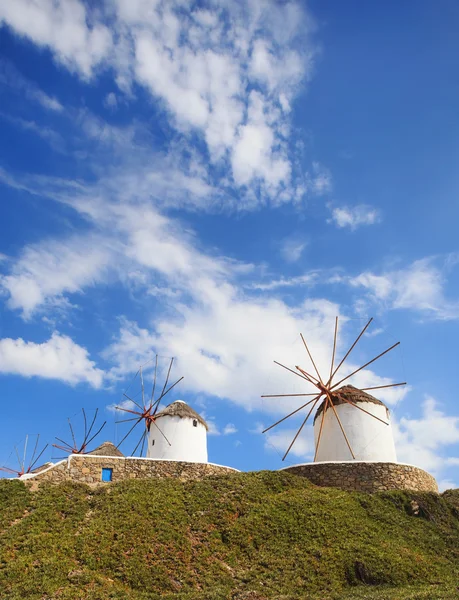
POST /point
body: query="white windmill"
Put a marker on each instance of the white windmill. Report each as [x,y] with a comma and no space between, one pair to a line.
[176,433]
[349,424]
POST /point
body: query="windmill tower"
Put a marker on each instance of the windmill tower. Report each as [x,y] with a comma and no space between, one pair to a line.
[186,432]
[370,439]
[349,424]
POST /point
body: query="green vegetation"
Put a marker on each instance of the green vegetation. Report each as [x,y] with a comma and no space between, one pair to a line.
[247,536]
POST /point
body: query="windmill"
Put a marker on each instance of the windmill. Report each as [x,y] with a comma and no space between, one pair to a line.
[81,446]
[25,463]
[333,397]
[146,409]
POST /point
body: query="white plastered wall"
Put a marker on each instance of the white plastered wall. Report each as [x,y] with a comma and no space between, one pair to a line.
[188,441]
[370,439]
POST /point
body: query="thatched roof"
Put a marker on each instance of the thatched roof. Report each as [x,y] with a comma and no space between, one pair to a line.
[179,408]
[350,393]
[106,449]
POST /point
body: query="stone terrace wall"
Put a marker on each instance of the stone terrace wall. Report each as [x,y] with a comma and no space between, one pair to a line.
[366,476]
[88,469]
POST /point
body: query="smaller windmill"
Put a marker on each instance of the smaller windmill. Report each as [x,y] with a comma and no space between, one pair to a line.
[341,400]
[26,463]
[80,446]
[145,410]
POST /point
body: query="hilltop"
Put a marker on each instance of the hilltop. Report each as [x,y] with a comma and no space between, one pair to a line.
[244,536]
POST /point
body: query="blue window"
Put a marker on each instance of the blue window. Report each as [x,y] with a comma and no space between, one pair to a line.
[107,474]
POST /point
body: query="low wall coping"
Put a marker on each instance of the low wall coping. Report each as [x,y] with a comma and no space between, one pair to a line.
[352,462]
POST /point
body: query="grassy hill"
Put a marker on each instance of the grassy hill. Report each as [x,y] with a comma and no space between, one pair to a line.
[245,536]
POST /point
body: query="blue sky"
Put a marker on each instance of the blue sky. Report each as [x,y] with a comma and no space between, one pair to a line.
[206,180]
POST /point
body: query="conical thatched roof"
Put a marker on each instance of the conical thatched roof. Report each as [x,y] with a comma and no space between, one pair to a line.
[179,408]
[351,393]
[106,449]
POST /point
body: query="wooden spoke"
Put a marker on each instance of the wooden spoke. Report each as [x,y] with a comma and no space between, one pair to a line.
[292,413]
[365,411]
[141,383]
[365,365]
[133,401]
[18,457]
[334,350]
[132,412]
[154,382]
[380,387]
[161,432]
[73,433]
[310,377]
[127,420]
[85,424]
[130,431]
[286,395]
[350,350]
[142,437]
[31,466]
[143,443]
[96,434]
[330,401]
[166,392]
[8,470]
[300,429]
[35,448]
[25,452]
[92,425]
[68,445]
[291,371]
[321,427]
[63,448]
[167,377]
[310,356]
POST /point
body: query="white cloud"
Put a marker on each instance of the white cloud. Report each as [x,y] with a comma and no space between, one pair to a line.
[228,74]
[49,135]
[64,27]
[423,441]
[49,102]
[309,279]
[292,249]
[12,78]
[354,217]
[111,100]
[229,429]
[279,440]
[212,426]
[58,358]
[45,271]
[420,287]
[447,484]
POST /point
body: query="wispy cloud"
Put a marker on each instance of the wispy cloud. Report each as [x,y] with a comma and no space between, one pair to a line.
[229,429]
[46,271]
[419,286]
[11,77]
[228,75]
[292,248]
[354,217]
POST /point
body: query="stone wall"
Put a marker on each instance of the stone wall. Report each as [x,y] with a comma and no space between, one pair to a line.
[88,469]
[366,476]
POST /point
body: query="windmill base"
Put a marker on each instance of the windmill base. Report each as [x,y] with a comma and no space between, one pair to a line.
[360,476]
